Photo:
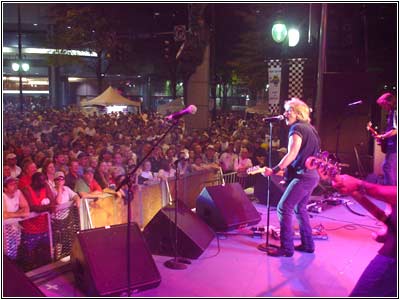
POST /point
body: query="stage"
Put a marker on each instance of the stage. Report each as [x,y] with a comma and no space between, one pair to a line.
[232,266]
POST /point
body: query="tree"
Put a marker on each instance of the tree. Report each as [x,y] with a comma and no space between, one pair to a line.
[196,42]
[90,27]
[251,52]
[227,28]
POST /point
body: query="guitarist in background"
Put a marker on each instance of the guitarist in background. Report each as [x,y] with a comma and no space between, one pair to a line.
[303,142]
[379,279]
[388,102]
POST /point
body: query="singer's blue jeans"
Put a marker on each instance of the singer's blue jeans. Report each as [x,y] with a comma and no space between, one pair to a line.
[295,199]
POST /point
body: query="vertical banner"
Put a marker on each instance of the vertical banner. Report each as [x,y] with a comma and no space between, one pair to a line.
[274,81]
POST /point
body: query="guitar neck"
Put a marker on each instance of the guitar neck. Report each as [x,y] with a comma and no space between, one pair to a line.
[370,206]
[327,170]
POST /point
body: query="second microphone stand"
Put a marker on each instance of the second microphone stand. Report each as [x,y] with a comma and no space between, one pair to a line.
[176,263]
[129,182]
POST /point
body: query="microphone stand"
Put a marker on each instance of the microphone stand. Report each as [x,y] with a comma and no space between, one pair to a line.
[265,247]
[176,263]
[129,182]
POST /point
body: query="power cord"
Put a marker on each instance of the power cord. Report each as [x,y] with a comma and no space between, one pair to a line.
[218,248]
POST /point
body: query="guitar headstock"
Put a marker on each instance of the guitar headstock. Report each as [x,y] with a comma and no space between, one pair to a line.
[327,168]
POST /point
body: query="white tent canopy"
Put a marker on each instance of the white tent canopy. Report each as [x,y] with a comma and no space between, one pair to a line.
[111,97]
[259,108]
[171,107]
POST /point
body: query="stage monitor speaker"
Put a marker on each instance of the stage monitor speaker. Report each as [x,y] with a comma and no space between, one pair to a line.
[275,192]
[193,234]
[226,207]
[99,260]
[16,283]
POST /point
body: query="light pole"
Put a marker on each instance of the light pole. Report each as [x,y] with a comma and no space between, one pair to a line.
[20,66]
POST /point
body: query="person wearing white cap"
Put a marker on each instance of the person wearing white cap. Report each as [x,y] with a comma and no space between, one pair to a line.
[14,206]
[64,193]
[62,219]
[11,161]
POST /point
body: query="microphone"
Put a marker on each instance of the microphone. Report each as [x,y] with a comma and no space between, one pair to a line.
[191,109]
[355,103]
[274,118]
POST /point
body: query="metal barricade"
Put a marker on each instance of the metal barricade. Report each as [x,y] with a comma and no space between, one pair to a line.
[99,212]
[230,177]
[22,248]
[65,223]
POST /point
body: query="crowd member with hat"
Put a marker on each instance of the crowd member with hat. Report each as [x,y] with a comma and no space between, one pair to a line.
[62,220]
[210,156]
[14,202]
[87,186]
[63,192]
[14,206]
[11,161]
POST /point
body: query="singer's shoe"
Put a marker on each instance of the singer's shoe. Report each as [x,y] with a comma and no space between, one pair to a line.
[303,248]
[279,252]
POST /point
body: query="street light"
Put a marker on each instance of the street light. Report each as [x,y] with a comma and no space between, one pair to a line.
[24,66]
[293,37]
[279,32]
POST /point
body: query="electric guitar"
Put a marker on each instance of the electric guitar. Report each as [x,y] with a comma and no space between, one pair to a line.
[327,169]
[381,142]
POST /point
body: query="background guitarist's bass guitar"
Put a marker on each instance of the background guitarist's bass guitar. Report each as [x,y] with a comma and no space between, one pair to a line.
[374,133]
[330,170]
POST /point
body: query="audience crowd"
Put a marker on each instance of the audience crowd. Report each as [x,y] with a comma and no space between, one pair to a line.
[53,156]
[110,145]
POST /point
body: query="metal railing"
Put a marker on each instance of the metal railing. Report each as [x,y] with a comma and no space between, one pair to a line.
[62,225]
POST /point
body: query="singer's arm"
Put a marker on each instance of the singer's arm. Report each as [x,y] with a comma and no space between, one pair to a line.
[293,150]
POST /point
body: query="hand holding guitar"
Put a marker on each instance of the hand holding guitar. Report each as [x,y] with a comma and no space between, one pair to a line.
[265,171]
[378,137]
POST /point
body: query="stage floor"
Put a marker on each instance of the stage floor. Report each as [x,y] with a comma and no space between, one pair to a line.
[236,268]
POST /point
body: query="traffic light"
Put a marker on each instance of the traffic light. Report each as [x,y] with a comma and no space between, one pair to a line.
[167,49]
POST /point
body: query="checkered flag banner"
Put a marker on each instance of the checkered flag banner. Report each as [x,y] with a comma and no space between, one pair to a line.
[296,72]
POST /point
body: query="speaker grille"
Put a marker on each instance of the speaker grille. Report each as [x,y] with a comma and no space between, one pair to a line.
[226,207]
[194,235]
[100,261]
